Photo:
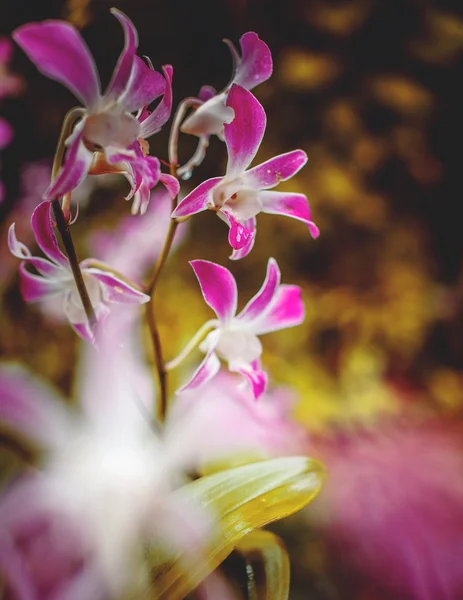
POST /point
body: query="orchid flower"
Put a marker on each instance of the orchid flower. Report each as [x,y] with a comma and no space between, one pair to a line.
[234,338]
[241,194]
[249,70]
[115,123]
[55,280]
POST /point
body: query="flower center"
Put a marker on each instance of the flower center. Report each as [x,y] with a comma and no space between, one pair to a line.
[111,128]
[243,203]
[238,346]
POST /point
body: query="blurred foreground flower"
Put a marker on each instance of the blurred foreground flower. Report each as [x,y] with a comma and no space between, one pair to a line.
[392,510]
[109,512]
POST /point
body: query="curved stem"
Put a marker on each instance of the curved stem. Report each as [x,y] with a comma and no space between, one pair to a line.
[192,344]
[62,223]
[151,288]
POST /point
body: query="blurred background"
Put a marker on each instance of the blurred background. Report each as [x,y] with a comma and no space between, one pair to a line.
[371,90]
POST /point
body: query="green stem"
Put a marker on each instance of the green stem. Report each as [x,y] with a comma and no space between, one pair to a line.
[62,223]
[167,246]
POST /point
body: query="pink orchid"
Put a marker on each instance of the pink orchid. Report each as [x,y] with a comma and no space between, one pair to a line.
[249,70]
[234,338]
[55,281]
[241,194]
[115,123]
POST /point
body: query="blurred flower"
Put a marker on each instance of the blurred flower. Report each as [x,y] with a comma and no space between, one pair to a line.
[117,247]
[76,529]
[240,195]
[392,509]
[55,280]
[234,338]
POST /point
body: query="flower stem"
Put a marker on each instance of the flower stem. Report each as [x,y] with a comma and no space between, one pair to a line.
[61,221]
[151,315]
[192,344]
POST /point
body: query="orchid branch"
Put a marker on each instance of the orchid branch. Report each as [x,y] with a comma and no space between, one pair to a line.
[150,312]
[62,223]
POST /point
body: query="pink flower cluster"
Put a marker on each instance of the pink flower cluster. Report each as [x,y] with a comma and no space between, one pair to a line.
[109,135]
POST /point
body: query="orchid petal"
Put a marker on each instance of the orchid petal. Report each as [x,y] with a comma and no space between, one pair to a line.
[290,205]
[197,200]
[76,166]
[209,118]
[204,373]
[153,123]
[218,287]
[250,225]
[116,289]
[84,331]
[44,234]
[123,69]
[244,134]
[255,65]
[239,235]
[171,183]
[31,408]
[277,169]
[59,52]
[6,133]
[145,86]
[286,310]
[206,93]
[257,378]
[259,303]
[21,251]
[34,288]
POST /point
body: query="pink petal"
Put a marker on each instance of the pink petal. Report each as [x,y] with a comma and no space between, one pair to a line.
[123,69]
[76,166]
[6,50]
[34,287]
[244,134]
[273,171]
[58,51]
[204,373]
[172,184]
[44,234]
[84,331]
[291,205]
[197,200]
[30,407]
[21,251]
[250,225]
[114,288]
[218,287]
[206,93]
[255,65]
[6,133]
[257,378]
[239,235]
[145,86]
[259,303]
[286,310]
[153,123]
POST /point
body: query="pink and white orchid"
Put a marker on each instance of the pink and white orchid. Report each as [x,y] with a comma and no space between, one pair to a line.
[55,280]
[241,194]
[115,123]
[253,67]
[234,338]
